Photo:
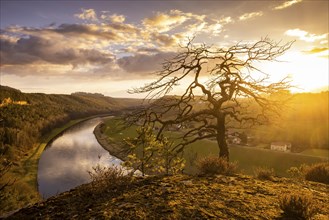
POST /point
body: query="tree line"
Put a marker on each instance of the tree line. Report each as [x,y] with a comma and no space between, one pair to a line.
[21,126]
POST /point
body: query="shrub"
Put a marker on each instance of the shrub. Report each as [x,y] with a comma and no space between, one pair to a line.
[216,165]
[153,155]
[297,206]
[295,172]
[318,173]
[264,173]
[108,176]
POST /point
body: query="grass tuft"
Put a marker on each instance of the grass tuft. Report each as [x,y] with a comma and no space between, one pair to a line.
[297,206]
[264,173]
[318,173]
[215,165]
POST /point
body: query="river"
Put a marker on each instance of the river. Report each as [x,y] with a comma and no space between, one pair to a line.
[65,162]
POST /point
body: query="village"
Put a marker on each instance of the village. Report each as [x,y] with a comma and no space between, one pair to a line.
[234,138]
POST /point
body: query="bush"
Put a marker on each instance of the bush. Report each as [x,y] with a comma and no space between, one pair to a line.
[109,176]
[264,173]
[297,206]
[297,173]
[318,173]
[215,165]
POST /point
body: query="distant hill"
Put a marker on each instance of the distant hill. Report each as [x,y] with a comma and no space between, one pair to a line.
[23,125]
[87,94]
[26,121]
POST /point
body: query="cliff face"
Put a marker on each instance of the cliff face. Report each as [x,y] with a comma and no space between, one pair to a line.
[178,197]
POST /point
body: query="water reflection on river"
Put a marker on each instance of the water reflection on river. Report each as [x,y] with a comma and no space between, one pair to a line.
[65,162]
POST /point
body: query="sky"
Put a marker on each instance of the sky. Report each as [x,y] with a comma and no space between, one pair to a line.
[109,47]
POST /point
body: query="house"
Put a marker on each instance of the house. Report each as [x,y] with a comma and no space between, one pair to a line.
[281,146]
[236,140]
[234,137]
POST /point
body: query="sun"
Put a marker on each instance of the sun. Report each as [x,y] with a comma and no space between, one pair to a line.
[307,72]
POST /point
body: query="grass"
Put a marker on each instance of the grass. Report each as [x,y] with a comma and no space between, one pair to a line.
[113,131]
[298,206]
[316,152]
[24,172]
[248,157]
[178,197]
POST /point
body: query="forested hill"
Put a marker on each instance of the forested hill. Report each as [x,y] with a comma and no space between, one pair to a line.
[25,117]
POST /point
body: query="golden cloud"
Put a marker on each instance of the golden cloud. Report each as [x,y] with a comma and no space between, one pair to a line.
[316,50]
[247,16]
[286,4]
[164,22]
[101,42]
[304,35]
[87,14]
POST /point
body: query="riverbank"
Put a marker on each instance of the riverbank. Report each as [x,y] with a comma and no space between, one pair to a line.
[113,148]
[24,172]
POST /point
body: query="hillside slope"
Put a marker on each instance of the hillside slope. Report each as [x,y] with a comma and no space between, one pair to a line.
[27,122]
[178,197]
[22,125]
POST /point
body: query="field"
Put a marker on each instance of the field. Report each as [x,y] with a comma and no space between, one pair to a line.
[248,158]
[316,152]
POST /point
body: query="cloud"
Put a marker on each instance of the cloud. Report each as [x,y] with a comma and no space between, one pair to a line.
[316,50]
[145,50]
[64,31]
[115,18]
[248,16]
[164,22]
[286,4]
[226,20]
[212,27]
[215,29]
[144,64]
[304,35]
[87,14]
[104,45]
[164,39]
[84,30]
[33,49]
[322,52]
[122,28]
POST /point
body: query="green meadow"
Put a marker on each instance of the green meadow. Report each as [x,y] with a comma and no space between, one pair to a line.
[248,157]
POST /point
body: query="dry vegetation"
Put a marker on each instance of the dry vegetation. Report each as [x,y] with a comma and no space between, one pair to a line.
[298,206]
[215,165]
[185,197]
[264,173]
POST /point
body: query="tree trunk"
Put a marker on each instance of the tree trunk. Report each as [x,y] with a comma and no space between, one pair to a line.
[221,139]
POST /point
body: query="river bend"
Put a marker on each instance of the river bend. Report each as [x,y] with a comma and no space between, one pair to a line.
[65,162]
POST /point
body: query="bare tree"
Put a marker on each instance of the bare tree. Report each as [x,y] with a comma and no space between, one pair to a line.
[223,88]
